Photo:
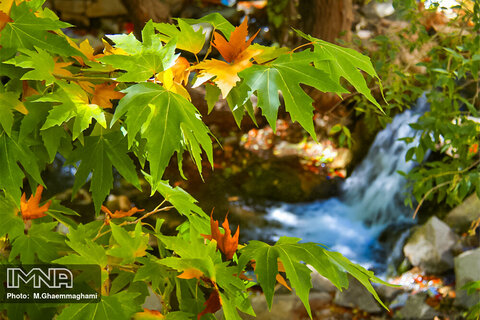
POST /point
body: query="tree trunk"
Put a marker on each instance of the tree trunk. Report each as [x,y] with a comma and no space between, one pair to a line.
[327,19]
[143,10]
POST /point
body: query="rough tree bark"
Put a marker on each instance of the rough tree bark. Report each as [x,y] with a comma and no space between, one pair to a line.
[327,19]
[143,10]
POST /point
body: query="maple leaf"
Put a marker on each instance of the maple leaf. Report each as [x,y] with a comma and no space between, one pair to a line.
[191,273]
[120,213]
[148,314]
[212,305]
[173,78]
[231,50]
[225,242]
[27,91]
[30,209]
[86,48]
[104,93]
[237,55]
[280,279]
[58,68]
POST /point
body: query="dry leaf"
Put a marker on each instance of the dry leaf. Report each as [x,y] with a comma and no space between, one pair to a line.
[225,242]
[212,305]
[120,213]
[104,93]
[30,209]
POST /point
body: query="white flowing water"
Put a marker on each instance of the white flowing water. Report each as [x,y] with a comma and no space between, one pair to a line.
[371,198]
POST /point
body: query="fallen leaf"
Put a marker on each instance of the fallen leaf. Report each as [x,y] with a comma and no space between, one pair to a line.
[30,209]
[120,213]
[237,54]
[212,305]
[104,93]
[225,242]
[191,273]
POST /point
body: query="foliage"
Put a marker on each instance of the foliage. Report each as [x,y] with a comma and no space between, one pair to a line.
[126,107]
[439,58]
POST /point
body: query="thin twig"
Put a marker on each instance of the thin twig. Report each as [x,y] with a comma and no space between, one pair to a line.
[438,186]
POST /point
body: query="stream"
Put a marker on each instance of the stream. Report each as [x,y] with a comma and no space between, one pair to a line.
[368,219]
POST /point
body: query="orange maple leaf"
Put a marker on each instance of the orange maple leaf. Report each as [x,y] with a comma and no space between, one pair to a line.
[191,273]
[30,209]
[120,213]
[225,242]
[148,314]
[4,19]
[58,69]
[212,305]
[237,54]
[105,92]
[27,91]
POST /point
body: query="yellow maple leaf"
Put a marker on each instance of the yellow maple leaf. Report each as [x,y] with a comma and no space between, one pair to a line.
[173,78]
[86,48]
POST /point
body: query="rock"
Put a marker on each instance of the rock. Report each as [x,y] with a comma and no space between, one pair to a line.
[461,217]
[467,269]
[153,301]
[283,307]
[430,247]
[357,296]
[387,293]
[416,308]
[321,284]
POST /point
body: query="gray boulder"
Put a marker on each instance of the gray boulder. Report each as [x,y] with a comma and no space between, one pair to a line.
[430,247]
[356,296]
[461,217]
[467,269]
[416,309]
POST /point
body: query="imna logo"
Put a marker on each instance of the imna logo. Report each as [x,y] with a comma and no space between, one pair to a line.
[51,278]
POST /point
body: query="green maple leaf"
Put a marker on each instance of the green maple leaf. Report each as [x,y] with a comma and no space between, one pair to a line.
[113,307]
[285,74]
[11,175]
[129,246]
[40,61]
[98,155]
[10,222]
[40,241]
[152,271]
[187,38]
[217,21]
[146,59]
[29,31]
[8,102]
[294,256]
[344,62]
[168,122]
[74,104]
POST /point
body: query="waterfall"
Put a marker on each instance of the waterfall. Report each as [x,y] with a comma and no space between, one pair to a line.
[375,189]
[371,198]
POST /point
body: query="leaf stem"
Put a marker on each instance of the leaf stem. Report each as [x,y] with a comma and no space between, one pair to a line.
[301,46]
[58,76]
